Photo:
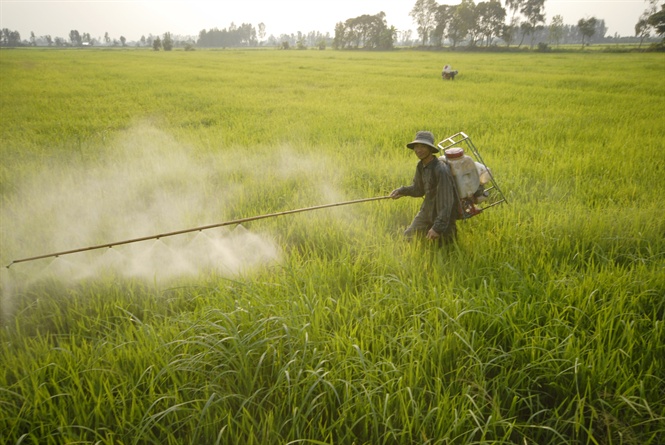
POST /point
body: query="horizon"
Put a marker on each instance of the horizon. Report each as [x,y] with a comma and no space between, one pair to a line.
[133,19]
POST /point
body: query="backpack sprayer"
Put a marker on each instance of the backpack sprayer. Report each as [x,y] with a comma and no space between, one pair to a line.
[475,188]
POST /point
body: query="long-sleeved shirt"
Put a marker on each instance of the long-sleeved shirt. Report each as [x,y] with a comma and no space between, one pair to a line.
[435,182]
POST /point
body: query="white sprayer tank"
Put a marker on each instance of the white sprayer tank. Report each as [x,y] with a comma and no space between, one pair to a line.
[464,169]
[484,173]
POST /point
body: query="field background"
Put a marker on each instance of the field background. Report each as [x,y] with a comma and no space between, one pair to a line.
[543,325]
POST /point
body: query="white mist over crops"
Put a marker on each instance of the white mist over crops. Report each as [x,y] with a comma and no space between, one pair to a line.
[144,183]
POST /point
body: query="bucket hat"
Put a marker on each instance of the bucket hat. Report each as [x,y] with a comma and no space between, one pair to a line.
[424,137]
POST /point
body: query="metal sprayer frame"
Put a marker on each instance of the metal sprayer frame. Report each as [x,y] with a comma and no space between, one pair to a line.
[496,196]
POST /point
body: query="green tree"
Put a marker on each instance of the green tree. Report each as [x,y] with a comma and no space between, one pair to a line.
[514,6]
[556,29]
[167,42]
[262,31]
[386,38]
[15,38]
[535,17]
[338,40]
[642,29]
[475,32]
[75,38]
[246,35]
[157,44]
[490,19]
[461,22]
[406,36]
[657,20]
[601,29]
[587,28]
[442,18]
[365,31]
[508,33]
[424,16]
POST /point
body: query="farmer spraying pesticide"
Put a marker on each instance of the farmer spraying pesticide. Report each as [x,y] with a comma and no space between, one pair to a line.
[433,180]
[454,187]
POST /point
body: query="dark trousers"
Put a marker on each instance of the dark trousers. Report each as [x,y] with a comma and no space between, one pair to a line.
[421,225]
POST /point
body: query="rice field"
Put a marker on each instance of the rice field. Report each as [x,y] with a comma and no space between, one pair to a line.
[543,324]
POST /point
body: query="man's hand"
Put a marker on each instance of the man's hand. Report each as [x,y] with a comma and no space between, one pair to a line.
[395,194]
[432,235]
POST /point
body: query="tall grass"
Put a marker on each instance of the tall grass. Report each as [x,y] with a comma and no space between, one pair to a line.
[543,324]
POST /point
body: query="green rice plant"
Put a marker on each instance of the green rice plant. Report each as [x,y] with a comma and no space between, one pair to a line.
[542,324]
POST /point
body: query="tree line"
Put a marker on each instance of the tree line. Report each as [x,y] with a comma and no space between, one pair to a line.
[486,22]
[365,31]
[470,24]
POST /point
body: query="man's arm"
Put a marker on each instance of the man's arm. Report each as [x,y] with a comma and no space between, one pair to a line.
[416,189]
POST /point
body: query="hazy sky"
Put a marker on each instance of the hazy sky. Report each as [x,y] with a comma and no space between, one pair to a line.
[134,18]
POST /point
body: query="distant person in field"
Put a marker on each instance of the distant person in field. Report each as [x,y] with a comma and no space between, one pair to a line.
[436,218]
[448,73]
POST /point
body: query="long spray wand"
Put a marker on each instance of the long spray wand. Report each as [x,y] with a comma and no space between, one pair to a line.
[195,229]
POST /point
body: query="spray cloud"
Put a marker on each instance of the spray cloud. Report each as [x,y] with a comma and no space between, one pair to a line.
[145,183]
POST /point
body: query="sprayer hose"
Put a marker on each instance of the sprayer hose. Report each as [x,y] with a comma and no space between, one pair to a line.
[195,229]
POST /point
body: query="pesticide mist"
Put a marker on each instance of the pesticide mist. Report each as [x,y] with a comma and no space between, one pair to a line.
[144,183]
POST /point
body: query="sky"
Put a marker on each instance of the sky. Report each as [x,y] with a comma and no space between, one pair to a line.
[135,18]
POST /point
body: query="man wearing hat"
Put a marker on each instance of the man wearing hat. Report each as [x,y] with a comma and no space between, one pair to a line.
[433,179]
